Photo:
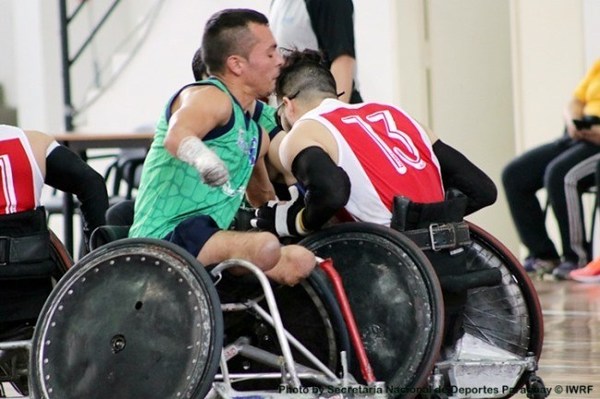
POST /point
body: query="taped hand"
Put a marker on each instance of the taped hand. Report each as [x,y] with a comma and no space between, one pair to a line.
[211,168]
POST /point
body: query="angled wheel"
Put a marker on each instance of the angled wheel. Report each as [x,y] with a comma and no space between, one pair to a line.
[395,297]
[507,316]
[138,318]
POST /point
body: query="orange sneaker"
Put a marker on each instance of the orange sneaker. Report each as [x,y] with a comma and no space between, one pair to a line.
[588,274]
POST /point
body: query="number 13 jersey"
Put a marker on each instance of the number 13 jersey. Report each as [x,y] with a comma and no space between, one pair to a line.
[385,153]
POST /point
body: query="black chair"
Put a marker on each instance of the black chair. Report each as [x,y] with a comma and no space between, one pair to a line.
[127,169]
[119,218]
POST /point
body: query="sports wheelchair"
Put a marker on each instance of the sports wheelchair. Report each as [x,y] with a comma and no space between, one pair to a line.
[142,318]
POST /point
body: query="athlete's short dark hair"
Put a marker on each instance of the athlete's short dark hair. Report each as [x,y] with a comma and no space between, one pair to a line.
[303,72]
[198,66]
[226,33]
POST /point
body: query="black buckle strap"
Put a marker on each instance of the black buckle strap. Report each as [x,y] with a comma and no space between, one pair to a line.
[30,248]
[440,236]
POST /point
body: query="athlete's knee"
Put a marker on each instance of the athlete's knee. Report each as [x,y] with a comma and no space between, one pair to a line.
[267,250]
[301,259]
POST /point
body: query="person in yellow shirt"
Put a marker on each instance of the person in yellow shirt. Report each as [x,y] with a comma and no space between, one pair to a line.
[565,168]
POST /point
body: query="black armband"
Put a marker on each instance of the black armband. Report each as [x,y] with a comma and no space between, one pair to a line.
[327,186]
[461,174]
[67,172]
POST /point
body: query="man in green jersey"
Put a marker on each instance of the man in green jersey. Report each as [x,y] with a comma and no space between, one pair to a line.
[208,152]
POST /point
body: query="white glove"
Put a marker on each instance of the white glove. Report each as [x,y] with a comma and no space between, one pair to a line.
[211,168]
[283,218]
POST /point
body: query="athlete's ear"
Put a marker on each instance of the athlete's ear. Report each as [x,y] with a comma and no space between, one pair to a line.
[235,64]
[291,107]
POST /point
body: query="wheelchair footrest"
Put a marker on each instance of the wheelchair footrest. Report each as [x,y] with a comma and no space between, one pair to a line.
[484,379]
[477,369]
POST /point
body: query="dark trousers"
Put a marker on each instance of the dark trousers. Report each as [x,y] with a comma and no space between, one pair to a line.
[544,167]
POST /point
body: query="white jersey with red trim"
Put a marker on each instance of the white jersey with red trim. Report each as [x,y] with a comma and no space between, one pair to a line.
[21,180]
[385,153]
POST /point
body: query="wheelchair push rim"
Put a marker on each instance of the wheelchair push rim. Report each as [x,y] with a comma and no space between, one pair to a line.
[395,297]
[135,318]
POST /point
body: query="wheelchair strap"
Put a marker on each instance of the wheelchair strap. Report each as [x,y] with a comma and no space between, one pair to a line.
[25,249]
[440,236]
[24,244]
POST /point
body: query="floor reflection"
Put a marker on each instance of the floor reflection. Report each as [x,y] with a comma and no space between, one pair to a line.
[571,352]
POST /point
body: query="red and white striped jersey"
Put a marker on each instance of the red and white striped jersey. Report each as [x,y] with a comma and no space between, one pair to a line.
[21,179]
[385,153]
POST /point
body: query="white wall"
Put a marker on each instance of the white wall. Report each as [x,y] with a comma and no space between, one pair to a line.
[548,61]
[7,49]
[591,30]
[376,49]
[34,68]
[471,94]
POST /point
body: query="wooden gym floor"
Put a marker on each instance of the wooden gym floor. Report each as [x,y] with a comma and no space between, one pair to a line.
[571,353]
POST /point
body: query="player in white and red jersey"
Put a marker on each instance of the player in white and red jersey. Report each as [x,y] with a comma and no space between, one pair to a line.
[28,159]
[378,165]
[359,157]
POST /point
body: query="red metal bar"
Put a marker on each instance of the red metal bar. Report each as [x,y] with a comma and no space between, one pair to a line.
[340,293]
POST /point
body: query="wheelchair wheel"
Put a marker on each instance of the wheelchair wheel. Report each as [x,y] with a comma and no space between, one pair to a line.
[60,256]
[395,297]
[138,318]
[308,311]
[507,316]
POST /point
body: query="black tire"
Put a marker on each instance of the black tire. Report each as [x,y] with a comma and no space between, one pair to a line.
[395,296]
[535,387]
[138,318]
[308,311]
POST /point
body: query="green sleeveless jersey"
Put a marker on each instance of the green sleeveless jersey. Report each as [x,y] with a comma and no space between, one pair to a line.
[266,117]
[172,190]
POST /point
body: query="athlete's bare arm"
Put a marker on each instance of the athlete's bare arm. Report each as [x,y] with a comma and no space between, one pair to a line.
[39,144]
[196,111]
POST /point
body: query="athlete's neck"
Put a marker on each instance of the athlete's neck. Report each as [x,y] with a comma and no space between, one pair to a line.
[242,93]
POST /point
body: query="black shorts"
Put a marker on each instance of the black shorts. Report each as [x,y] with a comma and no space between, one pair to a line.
[193,233]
